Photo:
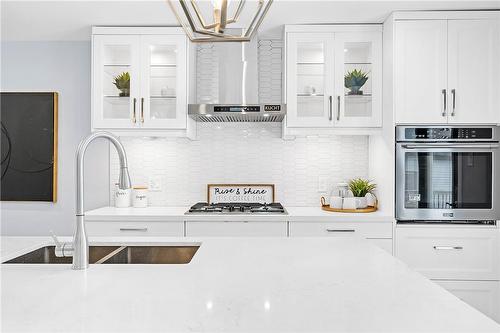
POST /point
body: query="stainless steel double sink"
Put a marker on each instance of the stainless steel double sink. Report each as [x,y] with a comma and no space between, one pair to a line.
[126,254]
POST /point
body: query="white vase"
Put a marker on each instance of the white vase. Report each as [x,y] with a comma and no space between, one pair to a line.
[361,202]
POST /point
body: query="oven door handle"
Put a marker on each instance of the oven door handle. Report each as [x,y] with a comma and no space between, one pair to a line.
[451,145]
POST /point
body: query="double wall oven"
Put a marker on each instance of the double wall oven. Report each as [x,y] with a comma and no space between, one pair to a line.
[448,174]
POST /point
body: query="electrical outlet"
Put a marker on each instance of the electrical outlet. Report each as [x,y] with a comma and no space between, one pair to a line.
[155,184]
[322,184]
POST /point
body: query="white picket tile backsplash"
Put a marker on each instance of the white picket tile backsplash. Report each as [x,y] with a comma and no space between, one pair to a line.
[242,153]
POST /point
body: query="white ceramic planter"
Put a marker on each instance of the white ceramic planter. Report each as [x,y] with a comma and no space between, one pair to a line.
[361,202]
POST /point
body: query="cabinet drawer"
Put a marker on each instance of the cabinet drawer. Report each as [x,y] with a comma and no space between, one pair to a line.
[235,229]
[450,252]
[383,243]
[482,295]
[168,229]
[331,229]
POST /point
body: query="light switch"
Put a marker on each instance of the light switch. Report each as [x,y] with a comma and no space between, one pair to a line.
[155,184]
[322,183]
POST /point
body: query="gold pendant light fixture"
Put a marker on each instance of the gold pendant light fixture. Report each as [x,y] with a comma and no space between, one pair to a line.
[198,30]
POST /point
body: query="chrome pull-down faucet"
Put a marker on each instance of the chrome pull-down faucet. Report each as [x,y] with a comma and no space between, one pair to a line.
[79,249]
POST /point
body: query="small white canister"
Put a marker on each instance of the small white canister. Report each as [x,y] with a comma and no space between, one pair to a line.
[336,202]
[140,197]
[122,198]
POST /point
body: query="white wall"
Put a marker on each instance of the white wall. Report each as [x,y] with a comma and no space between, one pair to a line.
[243,153]
[63,67]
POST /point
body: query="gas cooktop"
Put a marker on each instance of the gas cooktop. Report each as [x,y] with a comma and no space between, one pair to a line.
[237,208]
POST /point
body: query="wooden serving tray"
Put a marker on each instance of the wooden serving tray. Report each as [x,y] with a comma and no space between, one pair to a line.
[326,207]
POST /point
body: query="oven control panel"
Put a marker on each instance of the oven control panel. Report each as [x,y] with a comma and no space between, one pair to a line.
[447,133]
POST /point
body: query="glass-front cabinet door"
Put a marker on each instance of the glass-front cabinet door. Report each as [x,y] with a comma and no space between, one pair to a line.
[310,81]
[116,85]
[358,79]
[163,101]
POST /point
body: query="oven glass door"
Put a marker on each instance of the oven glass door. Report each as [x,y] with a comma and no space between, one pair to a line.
[448,180]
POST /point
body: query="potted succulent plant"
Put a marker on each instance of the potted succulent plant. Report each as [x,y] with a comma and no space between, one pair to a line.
[122,82]
[360,188]
[354,80]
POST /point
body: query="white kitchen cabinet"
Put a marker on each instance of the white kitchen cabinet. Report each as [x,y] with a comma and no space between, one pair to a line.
[420,71]
[383,243]
[455,253]
[310,82]
[135,228]
[446,71]
[236,229]
[317,61]
[473,71]
[358,51]
[363,229]
[482,295]
[378,233]
[156,61]
[112,56]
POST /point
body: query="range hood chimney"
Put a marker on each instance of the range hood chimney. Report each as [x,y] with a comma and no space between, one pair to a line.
[235,96]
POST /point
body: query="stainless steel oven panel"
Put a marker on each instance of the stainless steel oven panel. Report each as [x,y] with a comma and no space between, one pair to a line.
[400,133]
[403,213]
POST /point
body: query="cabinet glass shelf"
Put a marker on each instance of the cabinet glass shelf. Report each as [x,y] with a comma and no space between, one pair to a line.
[310,95]
[359,96]
[117,100]
[163,65]
[116,65]
[310,63]
[164,97]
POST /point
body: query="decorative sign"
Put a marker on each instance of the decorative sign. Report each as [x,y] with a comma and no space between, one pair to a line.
[220,193]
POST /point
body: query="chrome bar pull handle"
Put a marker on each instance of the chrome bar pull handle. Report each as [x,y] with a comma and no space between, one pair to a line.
[133,229]
[437,247]
[330,116]
[444,102]
[338,108]
[445,145]
[134,118]
[340,230]
[453,92]
[142,110]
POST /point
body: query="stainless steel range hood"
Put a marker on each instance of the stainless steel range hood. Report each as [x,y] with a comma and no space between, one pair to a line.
[233,69]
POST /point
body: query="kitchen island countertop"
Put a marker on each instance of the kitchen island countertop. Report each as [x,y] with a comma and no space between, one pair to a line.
[238,284]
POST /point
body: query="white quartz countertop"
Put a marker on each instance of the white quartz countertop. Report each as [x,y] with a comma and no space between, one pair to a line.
[178,214]
[234,285]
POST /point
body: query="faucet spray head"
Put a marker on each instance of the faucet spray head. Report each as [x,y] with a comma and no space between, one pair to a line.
[124,180]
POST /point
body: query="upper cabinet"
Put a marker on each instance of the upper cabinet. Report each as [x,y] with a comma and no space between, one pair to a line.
[333,76]
[310,80]
[139,80]
[447,71]
[474,71]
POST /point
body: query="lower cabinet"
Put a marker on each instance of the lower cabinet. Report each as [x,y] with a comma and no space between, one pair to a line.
[482,295]
[137,228]
[450,252]
[236,229]
[379,233]
[383,243]
[463,260]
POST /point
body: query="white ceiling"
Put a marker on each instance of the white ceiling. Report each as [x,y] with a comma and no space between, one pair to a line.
[71,20]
